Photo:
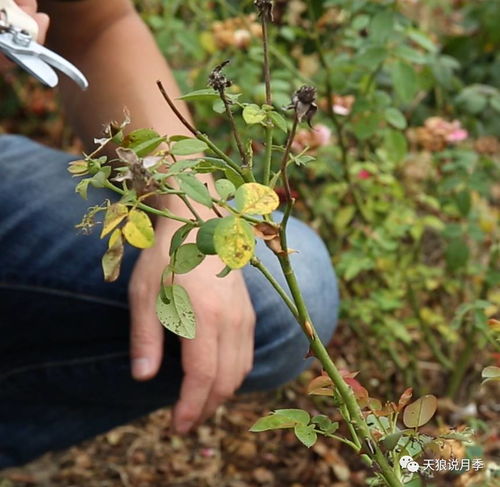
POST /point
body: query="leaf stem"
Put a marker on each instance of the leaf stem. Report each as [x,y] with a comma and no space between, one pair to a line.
[165,213]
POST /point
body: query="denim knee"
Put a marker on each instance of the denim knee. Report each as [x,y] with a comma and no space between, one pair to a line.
[280,345]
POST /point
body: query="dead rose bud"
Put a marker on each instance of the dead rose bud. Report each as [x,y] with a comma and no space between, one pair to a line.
[217,80]
[265,8]
[304,103]
[138,170]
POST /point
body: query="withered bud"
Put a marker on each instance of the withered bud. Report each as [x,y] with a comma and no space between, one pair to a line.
[265,8]
[304,103]
[217,80]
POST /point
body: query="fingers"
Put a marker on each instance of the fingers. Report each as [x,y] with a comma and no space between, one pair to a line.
[43,22]
[214,366]
[200,362]
[146,332]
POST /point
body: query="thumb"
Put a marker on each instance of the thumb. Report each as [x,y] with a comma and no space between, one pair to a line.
[146,334]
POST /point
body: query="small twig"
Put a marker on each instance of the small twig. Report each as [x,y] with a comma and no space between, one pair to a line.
[234,128]
[178,114]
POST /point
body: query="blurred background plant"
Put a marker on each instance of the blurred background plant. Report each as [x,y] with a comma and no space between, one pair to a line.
[400,172]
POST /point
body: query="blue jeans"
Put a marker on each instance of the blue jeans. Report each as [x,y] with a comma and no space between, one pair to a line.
[64,359]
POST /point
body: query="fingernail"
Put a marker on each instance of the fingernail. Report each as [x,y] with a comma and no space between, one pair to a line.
[183,427]
[141,368]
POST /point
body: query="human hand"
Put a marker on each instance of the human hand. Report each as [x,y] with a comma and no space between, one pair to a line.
[216,362]
[30,7]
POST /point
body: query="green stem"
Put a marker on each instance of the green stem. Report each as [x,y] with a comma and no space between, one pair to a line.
[262,268]
[339,438]
[462,364]
[269,153]
[356,417]
[234,128]
[426,331]
[164,213]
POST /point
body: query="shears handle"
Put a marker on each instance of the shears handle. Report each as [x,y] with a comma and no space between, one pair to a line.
[17,17]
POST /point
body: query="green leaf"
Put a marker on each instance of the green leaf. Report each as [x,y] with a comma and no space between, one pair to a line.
[404,80]
[366,125]
[225,188]
[253,114]
[138,230]
[279,121]
[390,441]
[396,145]
[464,202]
[272,422]
[143,141]
[306,434]
[186,258]
[187,147]
[255,198]
[177,314]
[82,188]
[179,236]
[205,237]
[420,411]
[200,95]
[114,216]
[299,416]
[111,260]
[325,424]
[457,254]
[195,189]
[395,118]
[422,40]
[490,373]
[234,241]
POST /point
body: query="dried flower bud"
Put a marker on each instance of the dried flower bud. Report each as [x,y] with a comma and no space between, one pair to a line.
[217,80]
[304,103]
[265,8]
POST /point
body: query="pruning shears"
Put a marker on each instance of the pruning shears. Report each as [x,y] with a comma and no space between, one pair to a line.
[18,33]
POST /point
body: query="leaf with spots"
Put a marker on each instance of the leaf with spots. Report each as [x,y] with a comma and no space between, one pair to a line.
[234,241]
[255,198]
[175,311]
[420,411]
[111,260]
[138,230]
[114,216]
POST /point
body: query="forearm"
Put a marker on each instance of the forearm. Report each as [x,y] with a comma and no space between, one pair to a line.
[120,58]
[122,62]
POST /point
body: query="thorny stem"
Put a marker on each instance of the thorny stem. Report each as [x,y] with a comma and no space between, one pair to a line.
[318,349]
[284,161]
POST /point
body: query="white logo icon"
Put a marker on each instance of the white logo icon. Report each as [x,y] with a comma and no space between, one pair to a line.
[409,464]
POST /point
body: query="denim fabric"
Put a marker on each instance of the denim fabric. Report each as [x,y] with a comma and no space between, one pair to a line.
[64,364]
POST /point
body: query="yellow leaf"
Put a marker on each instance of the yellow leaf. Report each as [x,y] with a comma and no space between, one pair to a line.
[112,259]
[256,199]
[234,242]
[138,230]
[114,215]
